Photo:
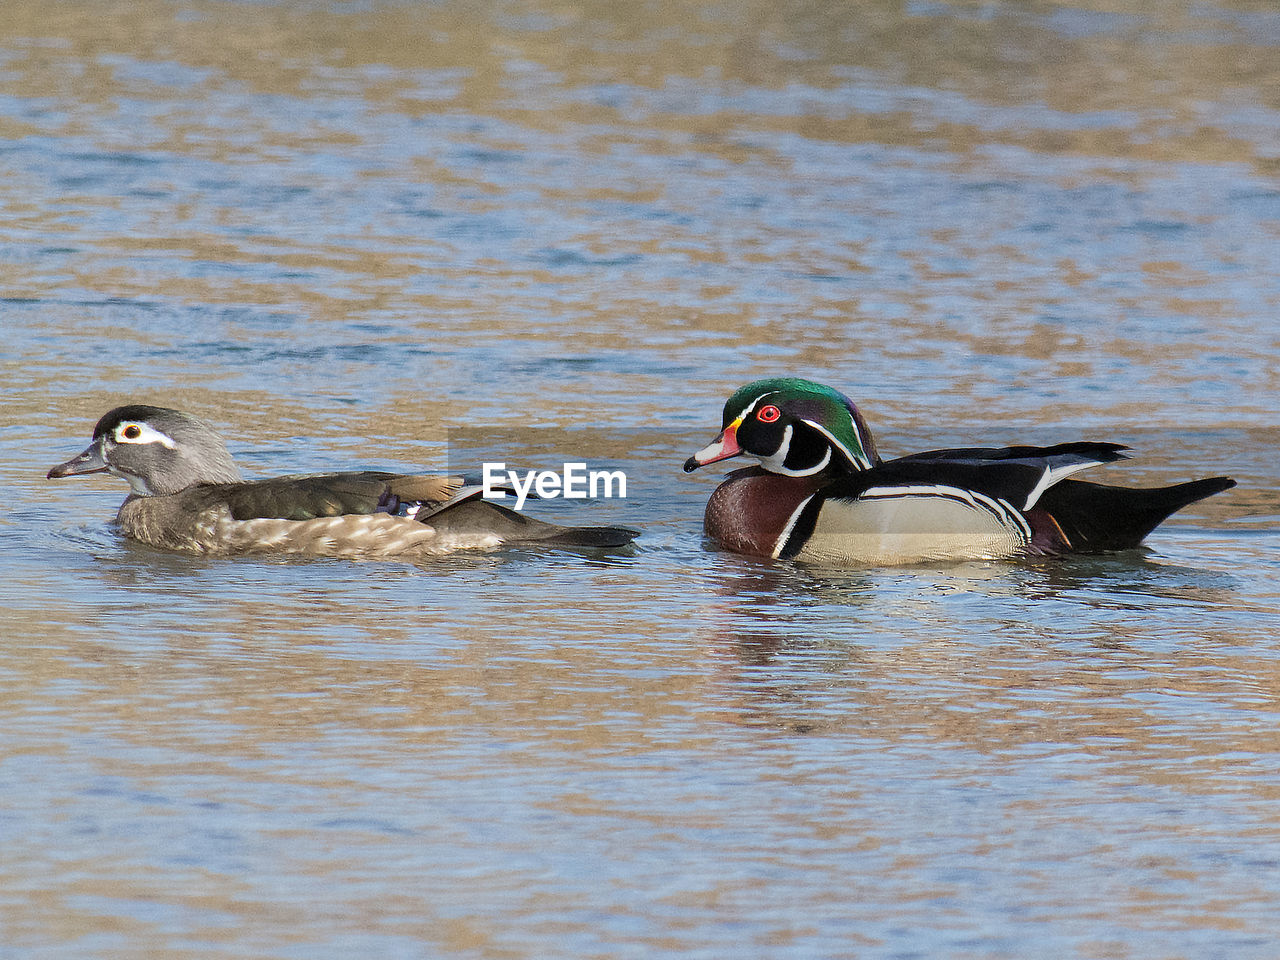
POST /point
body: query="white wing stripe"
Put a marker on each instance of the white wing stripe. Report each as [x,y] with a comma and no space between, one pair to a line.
[1002,510]
[1051,476]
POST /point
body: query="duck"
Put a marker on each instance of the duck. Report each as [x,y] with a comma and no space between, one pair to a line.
[820,493]
[187,495]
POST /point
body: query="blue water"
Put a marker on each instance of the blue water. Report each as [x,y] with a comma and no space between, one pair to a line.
[411,235]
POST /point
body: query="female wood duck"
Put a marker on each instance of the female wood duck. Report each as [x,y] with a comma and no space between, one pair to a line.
[188,495]
[822,494]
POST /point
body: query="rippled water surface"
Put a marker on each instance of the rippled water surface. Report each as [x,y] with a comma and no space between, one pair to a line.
[405,234]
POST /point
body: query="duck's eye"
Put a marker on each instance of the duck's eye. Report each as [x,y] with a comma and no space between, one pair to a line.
[768,414]
[141,433]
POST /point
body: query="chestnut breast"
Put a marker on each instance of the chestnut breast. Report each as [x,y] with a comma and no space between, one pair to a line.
[748,512]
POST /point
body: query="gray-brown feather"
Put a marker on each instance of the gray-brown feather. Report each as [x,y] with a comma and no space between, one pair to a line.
[189,496]
[310,496]
[201,520]
[166,522]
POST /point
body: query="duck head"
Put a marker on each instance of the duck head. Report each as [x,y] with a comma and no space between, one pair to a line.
[157,450]
[794,427]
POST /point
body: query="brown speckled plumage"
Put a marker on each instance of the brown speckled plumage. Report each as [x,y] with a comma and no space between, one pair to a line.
[169,523]
[188,496]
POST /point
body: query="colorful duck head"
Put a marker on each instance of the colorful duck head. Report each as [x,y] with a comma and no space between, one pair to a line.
[794,427]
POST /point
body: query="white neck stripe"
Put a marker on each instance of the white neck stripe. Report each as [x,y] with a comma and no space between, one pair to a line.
[791,525]
[862,461]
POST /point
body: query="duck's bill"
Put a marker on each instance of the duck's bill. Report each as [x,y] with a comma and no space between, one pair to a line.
[721,448]
[88,462]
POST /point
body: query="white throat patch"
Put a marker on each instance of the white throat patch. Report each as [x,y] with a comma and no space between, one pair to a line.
[776,461]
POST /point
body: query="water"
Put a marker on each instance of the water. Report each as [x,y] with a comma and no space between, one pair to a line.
[404,234]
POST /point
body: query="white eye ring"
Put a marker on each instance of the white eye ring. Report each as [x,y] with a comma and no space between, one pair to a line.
[138,433]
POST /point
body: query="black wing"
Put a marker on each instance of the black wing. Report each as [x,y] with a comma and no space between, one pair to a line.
[1016,475]
[1079,452]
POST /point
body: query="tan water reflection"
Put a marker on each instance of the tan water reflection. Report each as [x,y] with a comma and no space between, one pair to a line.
[247,705]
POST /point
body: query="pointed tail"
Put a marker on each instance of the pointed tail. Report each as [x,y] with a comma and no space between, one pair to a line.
[1094,516]
[475,516]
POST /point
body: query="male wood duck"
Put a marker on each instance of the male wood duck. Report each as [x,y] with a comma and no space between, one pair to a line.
[188,495]
[822,494]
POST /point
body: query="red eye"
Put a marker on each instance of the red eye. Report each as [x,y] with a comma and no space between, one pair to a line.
[132,432]
[768,414]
